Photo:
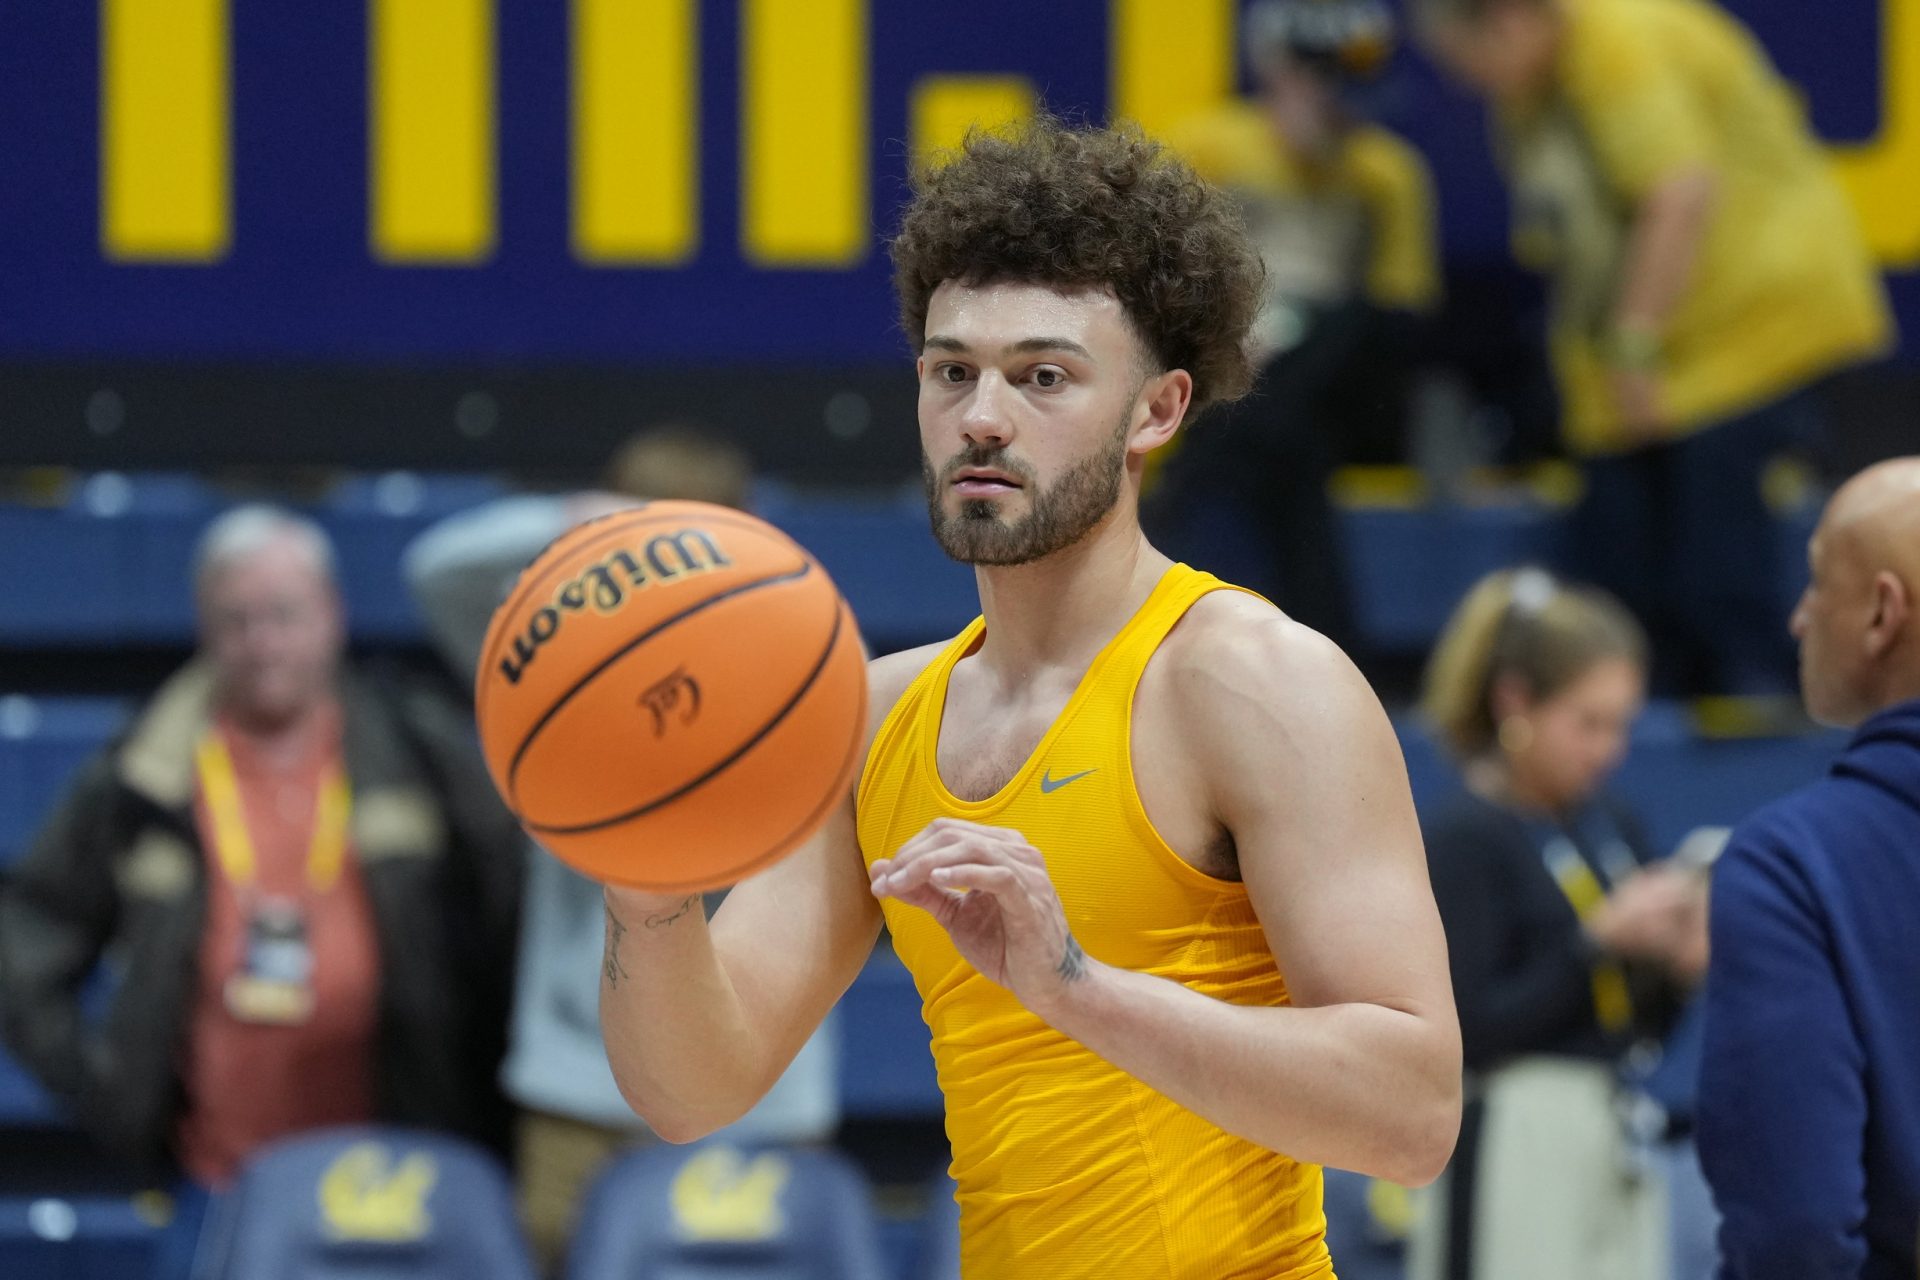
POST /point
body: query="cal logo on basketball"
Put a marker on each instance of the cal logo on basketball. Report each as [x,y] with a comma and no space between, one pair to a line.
[721,1195]
[680,738]
[607,584]
[365,1195]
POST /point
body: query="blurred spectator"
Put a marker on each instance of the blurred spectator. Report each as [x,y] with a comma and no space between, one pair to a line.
[572,1118]
[301,882]
[1810,1088]
[1568,953]
[1707,271]
[1342,211]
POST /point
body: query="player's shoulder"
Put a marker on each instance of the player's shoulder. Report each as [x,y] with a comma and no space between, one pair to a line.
[1233,649]
[890,675]
[1257,707]
[1240,633]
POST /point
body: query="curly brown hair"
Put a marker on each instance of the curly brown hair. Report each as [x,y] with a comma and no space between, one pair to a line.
[1078,207]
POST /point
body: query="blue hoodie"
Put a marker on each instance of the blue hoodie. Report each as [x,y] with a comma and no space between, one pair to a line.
[1810,1088]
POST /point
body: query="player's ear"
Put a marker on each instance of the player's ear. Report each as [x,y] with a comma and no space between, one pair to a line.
[1160,408]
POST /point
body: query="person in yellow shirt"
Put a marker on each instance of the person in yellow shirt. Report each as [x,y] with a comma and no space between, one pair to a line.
[1145,844]
[1342,212]
[1707,272]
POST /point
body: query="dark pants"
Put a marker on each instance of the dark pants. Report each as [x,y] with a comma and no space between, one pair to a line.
[1682,534]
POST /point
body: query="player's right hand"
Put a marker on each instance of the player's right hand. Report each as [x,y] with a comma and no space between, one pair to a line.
[989,889]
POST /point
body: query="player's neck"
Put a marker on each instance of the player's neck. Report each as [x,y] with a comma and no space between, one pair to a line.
[1061,610]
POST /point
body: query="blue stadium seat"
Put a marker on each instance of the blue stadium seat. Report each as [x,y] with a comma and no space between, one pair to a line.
[42,742]
[1677,780]
[161,523]
[368,1201]
[719,1212]
[371,519]
[1412,565]
[110,562]
[901,585]
[64,578]
[75,1238]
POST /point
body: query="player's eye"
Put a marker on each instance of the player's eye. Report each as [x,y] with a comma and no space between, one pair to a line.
[1047,377]
[951,373]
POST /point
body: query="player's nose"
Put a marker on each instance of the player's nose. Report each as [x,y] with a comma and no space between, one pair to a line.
[987,417]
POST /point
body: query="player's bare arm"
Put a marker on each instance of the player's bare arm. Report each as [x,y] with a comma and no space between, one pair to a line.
[1280,740]
[701,1017]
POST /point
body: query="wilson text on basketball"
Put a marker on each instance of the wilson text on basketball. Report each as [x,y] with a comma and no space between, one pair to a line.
[609,582]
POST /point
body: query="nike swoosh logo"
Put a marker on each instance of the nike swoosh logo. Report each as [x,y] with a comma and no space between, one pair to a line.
[1050,784]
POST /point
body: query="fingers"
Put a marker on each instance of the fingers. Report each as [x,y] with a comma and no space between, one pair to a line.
[998,881]
[930,898]
[949,843]
[906,873]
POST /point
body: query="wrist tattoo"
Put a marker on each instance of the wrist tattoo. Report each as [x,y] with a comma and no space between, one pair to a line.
[1073,962]
[662,921]
[611,965]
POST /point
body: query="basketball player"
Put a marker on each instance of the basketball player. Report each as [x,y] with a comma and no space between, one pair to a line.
[1146,845]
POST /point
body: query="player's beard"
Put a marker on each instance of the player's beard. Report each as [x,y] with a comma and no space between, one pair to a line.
[1057,517]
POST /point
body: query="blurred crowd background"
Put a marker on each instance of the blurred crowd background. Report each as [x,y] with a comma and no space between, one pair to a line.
[317,322]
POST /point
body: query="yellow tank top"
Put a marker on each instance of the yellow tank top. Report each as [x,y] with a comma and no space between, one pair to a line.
[1066,1165]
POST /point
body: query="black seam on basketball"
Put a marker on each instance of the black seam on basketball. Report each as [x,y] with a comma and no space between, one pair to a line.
[533,731]
[826,655]
[803,830]
[518,595]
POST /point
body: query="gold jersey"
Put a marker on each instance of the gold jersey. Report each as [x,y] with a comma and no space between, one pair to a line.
[1066,1165]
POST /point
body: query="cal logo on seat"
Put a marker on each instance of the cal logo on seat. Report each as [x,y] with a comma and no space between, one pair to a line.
[366,1195]
[721,1195]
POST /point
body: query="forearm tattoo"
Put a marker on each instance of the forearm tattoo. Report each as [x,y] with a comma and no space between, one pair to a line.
[1073,962]
[610,965]
[662,921]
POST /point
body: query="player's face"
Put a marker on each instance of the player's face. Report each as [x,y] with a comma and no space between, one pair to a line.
[1832,614]
[1030,403]
[1580,733]
[270,624]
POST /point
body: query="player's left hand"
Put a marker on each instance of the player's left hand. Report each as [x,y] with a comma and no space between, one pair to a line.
[990,891]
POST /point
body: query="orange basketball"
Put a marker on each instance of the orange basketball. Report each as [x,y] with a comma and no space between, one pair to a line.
[672,697]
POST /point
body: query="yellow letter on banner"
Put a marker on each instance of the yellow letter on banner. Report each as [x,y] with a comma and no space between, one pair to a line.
[430,113]
[635,134]
[1171,58]
[803,120]
[945,107]
[1883,175]
[163,130]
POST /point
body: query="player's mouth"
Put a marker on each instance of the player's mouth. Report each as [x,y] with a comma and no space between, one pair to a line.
[983,482]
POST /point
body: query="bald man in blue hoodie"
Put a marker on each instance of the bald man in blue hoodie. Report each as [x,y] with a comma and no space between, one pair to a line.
[1810,1088]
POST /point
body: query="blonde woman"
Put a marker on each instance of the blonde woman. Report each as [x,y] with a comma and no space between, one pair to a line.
[1567,951]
